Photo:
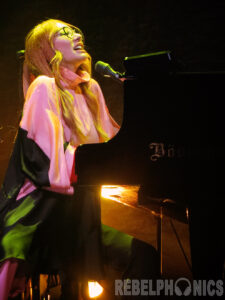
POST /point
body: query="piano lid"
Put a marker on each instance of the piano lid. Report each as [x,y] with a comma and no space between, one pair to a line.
[150,63]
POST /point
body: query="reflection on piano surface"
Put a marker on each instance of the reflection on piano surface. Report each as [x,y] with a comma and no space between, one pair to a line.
[152,223]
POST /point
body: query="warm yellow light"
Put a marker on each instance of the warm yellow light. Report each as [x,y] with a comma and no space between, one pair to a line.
[95,289]
[112,192]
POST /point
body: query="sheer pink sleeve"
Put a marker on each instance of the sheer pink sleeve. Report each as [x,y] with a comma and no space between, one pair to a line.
[42,121]
[108,123]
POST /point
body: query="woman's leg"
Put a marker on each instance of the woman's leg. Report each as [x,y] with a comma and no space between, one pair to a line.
[143,262]
[12,279]
[132,258]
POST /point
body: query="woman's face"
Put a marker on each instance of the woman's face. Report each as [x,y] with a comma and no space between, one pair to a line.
[70,44]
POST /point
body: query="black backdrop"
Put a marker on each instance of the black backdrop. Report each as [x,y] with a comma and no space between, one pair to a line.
[192,30]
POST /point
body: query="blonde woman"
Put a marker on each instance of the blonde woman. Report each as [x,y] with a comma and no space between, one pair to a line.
[41,221]
[44,225]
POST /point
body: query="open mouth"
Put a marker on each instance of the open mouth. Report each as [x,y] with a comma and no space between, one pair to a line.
[78,48]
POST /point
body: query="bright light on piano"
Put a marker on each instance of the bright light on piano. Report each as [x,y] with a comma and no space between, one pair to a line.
[95,289]
[112,192]
[125,194]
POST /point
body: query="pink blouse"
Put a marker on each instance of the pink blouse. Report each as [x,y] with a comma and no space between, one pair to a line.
[43,121]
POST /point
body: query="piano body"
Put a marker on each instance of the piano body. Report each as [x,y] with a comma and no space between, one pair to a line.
[170,144]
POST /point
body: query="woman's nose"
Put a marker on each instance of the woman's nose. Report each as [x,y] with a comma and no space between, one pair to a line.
[77,37]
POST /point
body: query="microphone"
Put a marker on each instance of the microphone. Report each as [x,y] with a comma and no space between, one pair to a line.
[20,53]
[107,71]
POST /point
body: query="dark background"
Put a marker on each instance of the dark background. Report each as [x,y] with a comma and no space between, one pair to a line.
[192,30]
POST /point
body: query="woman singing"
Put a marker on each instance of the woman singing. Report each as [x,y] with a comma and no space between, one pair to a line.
[64,108]
[44,225]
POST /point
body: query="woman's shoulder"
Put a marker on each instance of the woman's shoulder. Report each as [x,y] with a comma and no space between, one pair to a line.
[42,84]
[43,80]
[94,85]
[42,92]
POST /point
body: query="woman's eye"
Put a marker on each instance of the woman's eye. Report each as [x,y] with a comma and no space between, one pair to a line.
[66,32]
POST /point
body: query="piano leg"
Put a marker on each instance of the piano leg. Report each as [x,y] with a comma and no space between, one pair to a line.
[159,238]
[207,239]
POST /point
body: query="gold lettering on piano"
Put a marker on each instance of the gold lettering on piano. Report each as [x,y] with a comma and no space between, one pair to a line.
[171,151]
[161,150]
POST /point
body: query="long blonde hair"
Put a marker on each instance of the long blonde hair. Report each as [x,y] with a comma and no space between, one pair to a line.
[42,59]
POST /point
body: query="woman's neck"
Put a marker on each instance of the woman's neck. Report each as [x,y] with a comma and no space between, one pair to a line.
[71,67]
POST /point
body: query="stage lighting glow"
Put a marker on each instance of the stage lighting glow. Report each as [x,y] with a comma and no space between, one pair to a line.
[112,192]
[95,289]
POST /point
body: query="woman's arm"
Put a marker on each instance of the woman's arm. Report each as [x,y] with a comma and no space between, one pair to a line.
[41,121]
[107,121]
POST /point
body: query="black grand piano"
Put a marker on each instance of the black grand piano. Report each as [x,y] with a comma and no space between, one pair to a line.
[172,130]
[171,142]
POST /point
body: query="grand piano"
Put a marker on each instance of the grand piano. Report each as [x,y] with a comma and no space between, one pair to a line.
[171,142]
[172,121]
